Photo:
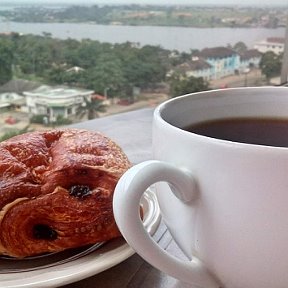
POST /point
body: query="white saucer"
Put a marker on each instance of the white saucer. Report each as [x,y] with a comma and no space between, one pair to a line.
[60,269]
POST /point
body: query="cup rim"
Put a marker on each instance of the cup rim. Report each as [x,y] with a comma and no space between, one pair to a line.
[258,147]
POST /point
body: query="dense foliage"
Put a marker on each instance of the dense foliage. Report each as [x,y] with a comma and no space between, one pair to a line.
[6,60]
[105,68]
[185,85]
[270,64]
[91,108]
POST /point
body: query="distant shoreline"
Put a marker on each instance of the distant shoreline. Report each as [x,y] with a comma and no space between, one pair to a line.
[141,25]
[186,16]
[59,3]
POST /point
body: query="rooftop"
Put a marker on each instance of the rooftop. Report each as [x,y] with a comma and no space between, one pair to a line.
[46,91]
[276,40]
[216,52]
[19,86]
[193,65]
[248,54]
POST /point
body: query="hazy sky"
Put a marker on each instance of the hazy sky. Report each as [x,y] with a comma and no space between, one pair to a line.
[204,2]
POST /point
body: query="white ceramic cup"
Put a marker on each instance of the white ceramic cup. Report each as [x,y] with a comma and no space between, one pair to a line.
[226,204]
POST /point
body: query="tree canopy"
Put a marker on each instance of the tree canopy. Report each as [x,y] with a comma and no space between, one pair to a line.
[6,61]
[270,64]
[91,108]
[116,68]
[240,47]
[185,85]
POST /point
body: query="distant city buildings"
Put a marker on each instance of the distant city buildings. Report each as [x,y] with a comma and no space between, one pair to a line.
[224,61]
[218,62]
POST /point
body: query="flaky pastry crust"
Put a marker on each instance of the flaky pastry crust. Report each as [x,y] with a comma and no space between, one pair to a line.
[56,190]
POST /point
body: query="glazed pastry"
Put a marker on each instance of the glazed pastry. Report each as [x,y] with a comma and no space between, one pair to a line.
[56,190]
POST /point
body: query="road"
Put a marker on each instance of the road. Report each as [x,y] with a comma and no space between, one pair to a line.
[253,78]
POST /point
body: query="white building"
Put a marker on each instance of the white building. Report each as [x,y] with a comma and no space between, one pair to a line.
[10,99]
[224,61]
[274,44]
[55,101]
[195,67]
[12,94]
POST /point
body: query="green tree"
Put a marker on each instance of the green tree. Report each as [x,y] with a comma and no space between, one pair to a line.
[118,67]
[37,54]
[145,66]
[88,53]
[91,108]
[55,75]
[107,73]
[181,86]
[6,61]
[71,52]
[270,64]
[240,47]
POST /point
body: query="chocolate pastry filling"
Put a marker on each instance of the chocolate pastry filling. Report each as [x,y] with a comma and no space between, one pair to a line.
[42,231]
[80,191]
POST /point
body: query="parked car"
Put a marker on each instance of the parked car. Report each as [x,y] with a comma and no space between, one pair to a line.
[11,120]
[125,101]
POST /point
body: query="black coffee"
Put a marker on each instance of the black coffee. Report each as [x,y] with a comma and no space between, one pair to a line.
[262,131]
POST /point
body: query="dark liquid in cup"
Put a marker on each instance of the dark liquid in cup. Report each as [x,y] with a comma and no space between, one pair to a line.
[261,131]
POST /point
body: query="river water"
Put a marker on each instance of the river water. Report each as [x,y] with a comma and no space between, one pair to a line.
[178,38]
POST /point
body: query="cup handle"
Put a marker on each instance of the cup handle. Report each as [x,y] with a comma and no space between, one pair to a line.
[127,196]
